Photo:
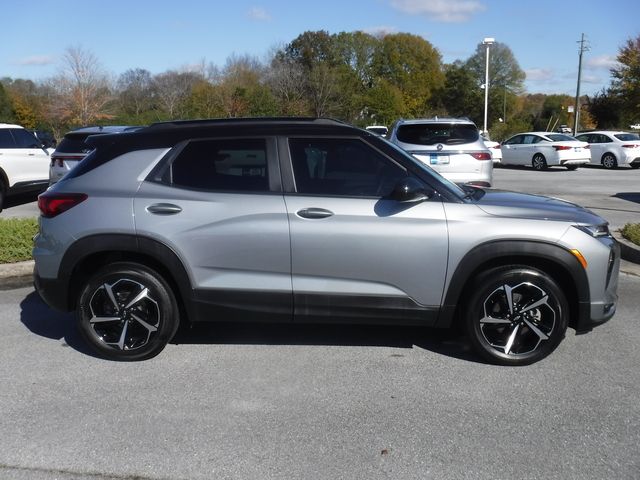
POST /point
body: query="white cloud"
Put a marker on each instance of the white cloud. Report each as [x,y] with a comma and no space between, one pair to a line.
[259,14]
[37,60]
[380,31]
[449,11]
[601,62]
[539,74]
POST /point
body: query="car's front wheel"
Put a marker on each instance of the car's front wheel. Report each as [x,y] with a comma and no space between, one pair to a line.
[515,315]
[127,311]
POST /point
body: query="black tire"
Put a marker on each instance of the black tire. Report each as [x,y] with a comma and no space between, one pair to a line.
[3,193]
[609,161]
[572,167]
[137,312]
[538,162]
[518,334]
[635,165]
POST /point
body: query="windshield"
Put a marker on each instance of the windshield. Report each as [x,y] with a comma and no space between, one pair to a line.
[625,137]
[448,184]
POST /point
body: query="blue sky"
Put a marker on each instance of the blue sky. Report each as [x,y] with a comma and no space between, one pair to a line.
[163,35]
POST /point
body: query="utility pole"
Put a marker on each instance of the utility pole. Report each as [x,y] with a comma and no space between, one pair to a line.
[576,118]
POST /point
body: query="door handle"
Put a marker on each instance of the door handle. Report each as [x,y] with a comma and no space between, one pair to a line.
[164,209]
[314,213]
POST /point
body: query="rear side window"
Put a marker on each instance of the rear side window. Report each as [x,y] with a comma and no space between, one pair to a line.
[74,144]
[434,133]
[625,137]
[221,165]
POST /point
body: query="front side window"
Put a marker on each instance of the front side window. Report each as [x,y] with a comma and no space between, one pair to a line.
[221,165]
[25,139]
[342,167]
[517,140]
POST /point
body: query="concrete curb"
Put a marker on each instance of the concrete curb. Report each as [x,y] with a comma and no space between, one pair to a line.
[18,275]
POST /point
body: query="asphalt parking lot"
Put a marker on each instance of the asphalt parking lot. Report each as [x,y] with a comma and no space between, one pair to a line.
[302,402]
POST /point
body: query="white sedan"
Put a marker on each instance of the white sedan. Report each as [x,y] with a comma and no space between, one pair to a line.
[613,149]
[545,149]
[494,148]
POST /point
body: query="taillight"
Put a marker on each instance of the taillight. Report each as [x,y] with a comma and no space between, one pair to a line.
[630,146]
[481,155]
[52,204]
[562,147]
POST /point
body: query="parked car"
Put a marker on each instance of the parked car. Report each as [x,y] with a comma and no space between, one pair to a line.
[309,220]
[545,149]
[613,149]
[73,148]
[494,149]
[635,126]
[23,162]
[451,146]
[564,129]
[378,129]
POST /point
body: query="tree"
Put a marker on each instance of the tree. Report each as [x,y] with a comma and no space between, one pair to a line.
[414,66]
[136,93]
[626,79]
[173,89]
[6,108]
[461,96]
[285,77]
[82,88]
[605,108]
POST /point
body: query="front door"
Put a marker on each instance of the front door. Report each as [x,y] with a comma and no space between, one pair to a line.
[355,255]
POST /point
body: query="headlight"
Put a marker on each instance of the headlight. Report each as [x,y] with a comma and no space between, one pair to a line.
[595,230]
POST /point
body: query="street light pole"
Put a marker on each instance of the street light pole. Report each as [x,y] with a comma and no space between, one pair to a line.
[487,41]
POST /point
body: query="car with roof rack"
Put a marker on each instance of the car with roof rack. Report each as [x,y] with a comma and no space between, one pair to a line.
[298,220]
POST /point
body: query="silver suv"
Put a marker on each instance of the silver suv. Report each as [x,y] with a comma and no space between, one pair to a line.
[451,146]
[309,220]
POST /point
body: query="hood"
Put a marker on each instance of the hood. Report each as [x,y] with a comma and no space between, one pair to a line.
[503,203]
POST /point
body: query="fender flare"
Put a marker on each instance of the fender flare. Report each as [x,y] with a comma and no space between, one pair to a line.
[522,252]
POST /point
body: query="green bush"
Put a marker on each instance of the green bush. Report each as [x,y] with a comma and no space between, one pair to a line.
[631,231]
[16,239]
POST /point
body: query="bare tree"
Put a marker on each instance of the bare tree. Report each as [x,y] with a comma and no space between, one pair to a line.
[136,91]
[287,82]
[173,89]
[82,88]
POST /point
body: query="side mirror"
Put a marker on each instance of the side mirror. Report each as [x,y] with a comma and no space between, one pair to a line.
[410,190]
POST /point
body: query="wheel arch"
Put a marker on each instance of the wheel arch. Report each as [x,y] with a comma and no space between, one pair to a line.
[549,258]
[88,254]
[608,153]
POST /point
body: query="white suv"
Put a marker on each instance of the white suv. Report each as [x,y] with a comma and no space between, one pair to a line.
[24,162]
[451,146]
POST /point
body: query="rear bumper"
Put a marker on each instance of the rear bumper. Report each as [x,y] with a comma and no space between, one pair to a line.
[52,291]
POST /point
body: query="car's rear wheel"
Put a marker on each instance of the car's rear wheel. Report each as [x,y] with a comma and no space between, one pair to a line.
[635,165]
[127,311]
[515,315]
[609,161]
[539,162]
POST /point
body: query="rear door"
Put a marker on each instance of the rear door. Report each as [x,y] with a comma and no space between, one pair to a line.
[357,256]
[218,205]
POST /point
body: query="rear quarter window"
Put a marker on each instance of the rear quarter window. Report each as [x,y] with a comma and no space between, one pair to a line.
[74,144]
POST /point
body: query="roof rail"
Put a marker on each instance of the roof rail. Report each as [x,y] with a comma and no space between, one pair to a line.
[221,121]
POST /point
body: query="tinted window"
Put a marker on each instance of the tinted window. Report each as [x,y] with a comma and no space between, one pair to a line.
[25,139]
[517,140]
[346,167]
[625,137]
[584,138]
[74,143]
[558,137]
[235,165]
[431,134]
[6,139]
